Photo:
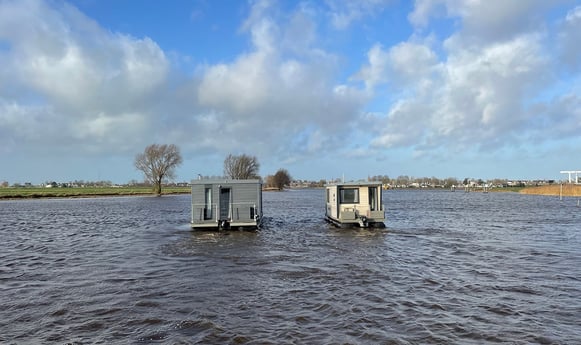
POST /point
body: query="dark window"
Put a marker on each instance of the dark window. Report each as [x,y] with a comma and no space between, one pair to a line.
[373,198]
[224,203]
[349,196]
[208,203]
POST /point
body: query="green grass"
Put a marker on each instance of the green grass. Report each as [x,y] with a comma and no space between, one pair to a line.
[38,192]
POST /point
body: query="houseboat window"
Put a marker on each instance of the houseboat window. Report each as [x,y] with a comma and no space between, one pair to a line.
[349,196]
[208,203]
[328,192]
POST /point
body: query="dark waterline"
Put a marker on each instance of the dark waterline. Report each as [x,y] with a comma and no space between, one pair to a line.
[465,268]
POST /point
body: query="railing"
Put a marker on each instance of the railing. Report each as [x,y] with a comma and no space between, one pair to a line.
[237,211]
[355,209]
[353,212]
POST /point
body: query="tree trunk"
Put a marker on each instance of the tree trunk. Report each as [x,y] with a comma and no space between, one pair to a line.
[157,187]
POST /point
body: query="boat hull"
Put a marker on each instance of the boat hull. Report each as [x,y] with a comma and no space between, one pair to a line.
[349,224]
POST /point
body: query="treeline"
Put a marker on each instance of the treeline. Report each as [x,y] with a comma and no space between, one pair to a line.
[158,163]
[404,181]
[54,184]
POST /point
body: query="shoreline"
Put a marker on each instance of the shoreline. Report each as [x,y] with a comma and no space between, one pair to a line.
[568,190]
[82,193]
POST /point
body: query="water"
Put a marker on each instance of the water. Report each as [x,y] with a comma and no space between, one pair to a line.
[466,268]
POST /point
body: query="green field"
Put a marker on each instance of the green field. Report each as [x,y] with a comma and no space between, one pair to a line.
[39,192]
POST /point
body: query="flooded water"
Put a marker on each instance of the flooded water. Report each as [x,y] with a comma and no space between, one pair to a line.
[464,268]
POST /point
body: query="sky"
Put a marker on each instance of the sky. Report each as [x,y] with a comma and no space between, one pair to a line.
[322,88]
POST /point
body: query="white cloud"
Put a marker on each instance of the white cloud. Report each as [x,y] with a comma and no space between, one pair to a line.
[569,39]
[343,13]
[22,123]
[424,10]
[558,120]
[89,78]
[483,20]
[491,86]
[492,83]
[106,90]
[239,87]
[477,98]
[284,86]
[404,65]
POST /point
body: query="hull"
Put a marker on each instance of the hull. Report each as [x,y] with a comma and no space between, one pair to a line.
[226,225]
[343,224]
[226,205]
[355,204]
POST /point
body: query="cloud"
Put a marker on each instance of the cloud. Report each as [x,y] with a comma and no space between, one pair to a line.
[558,120]
[91,81]
[284,87]
[79,83]
[478,96]
[471,76]
[344,13]
[483,21]
[569,39]
[402,66]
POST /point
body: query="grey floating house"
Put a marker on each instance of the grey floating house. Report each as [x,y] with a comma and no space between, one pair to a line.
[355,204]
[226,204]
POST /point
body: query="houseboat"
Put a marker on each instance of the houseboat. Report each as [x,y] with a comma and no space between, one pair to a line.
[355,204]
[226,204]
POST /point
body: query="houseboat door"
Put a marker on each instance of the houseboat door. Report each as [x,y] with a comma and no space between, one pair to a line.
[373,199]
[224,203]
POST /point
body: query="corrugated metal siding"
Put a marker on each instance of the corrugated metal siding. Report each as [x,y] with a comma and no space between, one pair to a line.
[240,192]
[244,196]
[244,193]
[198,194]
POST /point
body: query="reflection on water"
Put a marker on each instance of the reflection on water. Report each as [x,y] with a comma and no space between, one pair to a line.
[449,268]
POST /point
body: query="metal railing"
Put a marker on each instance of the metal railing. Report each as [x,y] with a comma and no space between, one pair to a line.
[245,211]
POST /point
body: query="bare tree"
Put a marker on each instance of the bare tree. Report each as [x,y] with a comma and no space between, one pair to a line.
[269,181]
[241,167]
[158,162]
[281,179]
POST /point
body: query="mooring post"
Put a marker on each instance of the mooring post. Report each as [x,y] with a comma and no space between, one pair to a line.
[561,193]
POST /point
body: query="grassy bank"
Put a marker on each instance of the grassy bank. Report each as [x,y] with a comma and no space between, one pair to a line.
[87,192]
[33,193]
[555,189]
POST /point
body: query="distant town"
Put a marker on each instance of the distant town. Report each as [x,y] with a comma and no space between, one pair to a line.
[399,182]
[431,182]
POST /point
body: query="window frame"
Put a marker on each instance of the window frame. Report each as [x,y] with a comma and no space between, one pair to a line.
[356,197]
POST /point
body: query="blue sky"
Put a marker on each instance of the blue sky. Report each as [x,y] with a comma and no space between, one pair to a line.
[444,88]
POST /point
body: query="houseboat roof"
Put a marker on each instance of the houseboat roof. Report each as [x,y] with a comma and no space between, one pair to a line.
[355,184]
[224,181]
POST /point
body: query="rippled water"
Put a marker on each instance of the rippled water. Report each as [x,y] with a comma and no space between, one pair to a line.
[467,268]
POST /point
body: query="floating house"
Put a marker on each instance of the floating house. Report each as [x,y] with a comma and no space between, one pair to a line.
[355,204]
[226,204]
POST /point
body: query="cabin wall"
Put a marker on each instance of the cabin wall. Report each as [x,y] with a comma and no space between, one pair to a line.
[200,214]
[244,204]
[348,211]
[362,207]
[332,199]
